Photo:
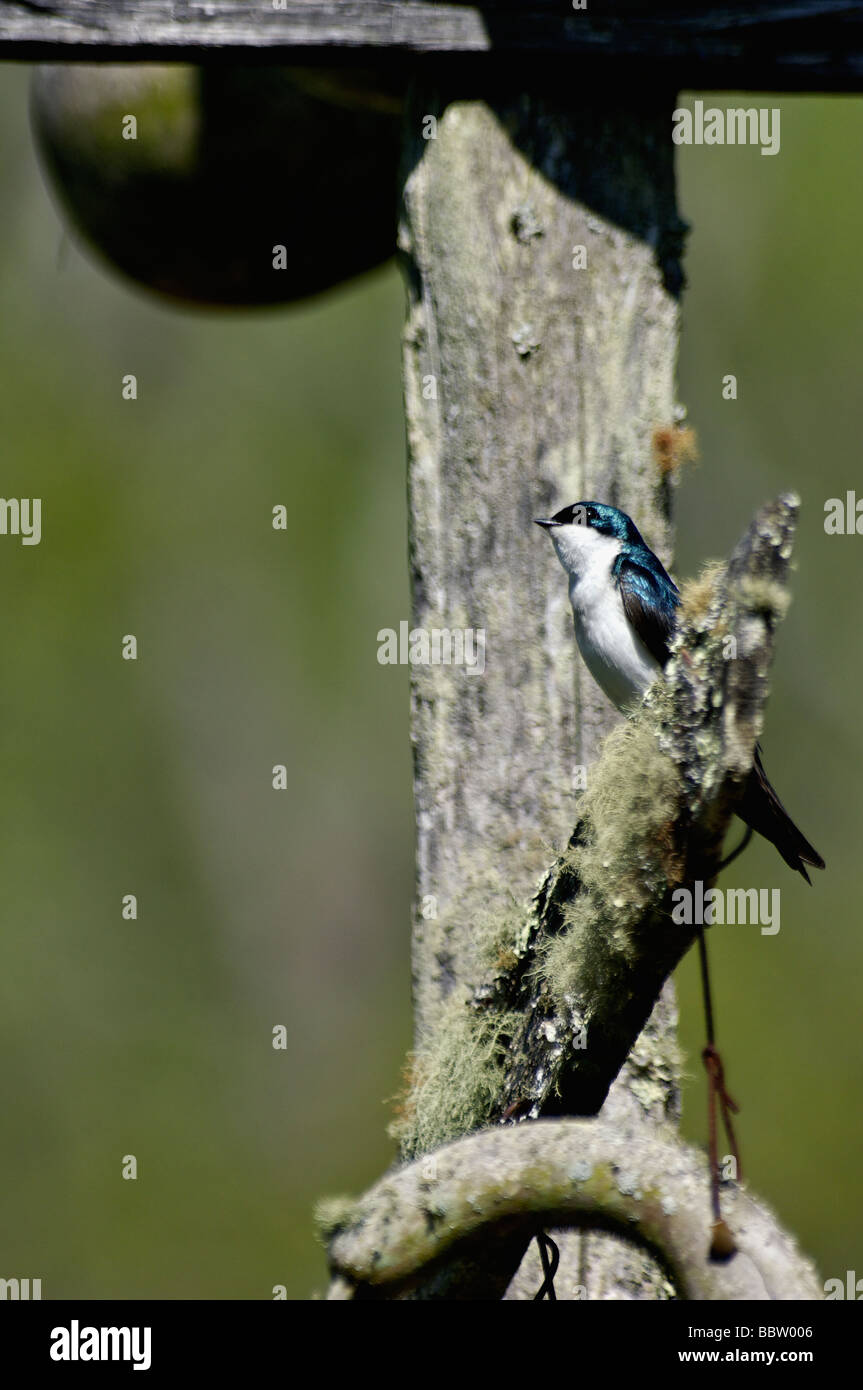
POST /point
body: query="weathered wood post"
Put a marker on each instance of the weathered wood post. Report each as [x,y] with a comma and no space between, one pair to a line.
[540,241]
[541,247]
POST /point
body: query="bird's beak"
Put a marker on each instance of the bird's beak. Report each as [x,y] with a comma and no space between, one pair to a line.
[545,522]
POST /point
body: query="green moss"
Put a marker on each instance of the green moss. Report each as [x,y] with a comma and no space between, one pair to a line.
[698,596]
[457,1081]
[452,1084]
[628,813]
[759,594]
[333,1214]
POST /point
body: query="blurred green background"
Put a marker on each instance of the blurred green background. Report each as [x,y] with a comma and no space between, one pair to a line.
[257,647]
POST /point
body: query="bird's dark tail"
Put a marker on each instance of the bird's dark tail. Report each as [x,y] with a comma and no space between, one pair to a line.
[762,809]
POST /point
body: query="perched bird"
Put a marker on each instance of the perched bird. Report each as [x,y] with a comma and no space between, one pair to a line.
[625,609]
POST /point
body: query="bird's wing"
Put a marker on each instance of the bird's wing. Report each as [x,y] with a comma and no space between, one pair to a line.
[649,602]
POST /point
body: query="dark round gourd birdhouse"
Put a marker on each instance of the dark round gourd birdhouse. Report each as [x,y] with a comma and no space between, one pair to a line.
[225,186]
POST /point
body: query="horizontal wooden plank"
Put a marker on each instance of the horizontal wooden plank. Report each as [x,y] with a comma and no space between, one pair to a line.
[771,44]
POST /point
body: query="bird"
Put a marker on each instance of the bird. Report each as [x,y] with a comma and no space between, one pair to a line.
[625,607]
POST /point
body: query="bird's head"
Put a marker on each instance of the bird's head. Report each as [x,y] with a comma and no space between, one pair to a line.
[586,531]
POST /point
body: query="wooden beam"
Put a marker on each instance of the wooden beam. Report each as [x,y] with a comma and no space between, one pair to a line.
[780,45]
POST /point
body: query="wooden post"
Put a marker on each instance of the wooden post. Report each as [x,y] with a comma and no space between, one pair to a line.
[540,241]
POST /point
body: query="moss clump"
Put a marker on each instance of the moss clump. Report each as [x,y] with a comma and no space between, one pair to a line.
[758,594]
[450,1087]
[333,1214]
[455,1082]
[674,446]
[506,960]
[626,854]
[699,596]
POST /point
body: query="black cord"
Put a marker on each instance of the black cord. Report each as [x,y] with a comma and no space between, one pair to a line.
[550,1257]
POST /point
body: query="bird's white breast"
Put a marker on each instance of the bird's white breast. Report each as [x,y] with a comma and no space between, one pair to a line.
[615,656]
